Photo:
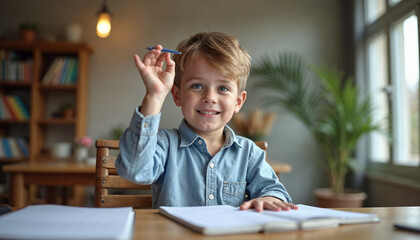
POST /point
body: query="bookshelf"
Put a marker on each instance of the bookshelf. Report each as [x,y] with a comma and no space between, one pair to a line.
[23,71]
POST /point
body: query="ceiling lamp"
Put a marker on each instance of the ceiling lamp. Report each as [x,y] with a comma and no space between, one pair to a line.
[103,28]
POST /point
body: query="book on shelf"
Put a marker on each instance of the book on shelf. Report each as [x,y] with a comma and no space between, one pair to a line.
[13,147]
[2,153]
[8,108]
[67,222]
[223,219]
[15,66]
[13,108]
[6,148]
[23,147]
[61,72]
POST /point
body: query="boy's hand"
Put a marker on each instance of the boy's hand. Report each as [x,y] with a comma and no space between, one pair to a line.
[269,203]
[158,81]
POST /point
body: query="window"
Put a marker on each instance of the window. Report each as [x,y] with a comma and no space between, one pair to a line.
[379,91]
[389,45]
[374,9]
[405,82]
[393,2]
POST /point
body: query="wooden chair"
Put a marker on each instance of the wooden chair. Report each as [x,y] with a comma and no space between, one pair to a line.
[263,145]
[108,181]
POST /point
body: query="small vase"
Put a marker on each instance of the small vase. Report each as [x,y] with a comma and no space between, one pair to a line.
[74,33]
[81,154]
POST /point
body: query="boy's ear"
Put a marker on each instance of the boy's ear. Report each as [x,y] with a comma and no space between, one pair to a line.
[240,101]
[175,95]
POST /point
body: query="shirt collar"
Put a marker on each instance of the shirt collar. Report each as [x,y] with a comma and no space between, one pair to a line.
[188,136]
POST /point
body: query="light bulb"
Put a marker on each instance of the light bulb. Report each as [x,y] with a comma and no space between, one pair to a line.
[103,28]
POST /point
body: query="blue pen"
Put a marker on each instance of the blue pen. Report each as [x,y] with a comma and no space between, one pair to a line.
[164,50]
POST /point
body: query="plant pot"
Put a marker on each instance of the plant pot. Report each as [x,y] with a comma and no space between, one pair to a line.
[28,35]
[68,113]
[351,198]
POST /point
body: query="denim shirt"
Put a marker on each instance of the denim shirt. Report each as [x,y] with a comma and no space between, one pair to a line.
[183,173]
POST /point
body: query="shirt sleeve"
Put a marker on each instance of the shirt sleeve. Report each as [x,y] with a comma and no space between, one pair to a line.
[262,180]
[142,156]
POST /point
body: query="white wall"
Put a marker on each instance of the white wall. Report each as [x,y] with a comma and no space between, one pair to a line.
[311,28]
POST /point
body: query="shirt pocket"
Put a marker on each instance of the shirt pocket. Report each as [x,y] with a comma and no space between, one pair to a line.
[233,193]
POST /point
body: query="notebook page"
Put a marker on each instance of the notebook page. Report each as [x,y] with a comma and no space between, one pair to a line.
[65,222]
[224,219]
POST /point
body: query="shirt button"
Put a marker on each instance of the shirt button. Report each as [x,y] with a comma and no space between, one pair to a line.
[211,196]
[146,125]
[211,165]
[200,141]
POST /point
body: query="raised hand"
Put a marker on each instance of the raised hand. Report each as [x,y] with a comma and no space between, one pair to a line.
[157,79]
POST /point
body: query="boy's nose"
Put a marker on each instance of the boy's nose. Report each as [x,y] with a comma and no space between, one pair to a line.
[209,96]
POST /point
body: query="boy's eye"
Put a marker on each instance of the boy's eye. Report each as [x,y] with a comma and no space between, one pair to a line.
[223,89]
[196,86]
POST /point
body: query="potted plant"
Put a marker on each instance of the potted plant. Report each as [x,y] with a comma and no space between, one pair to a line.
[28,31]
[335,111]
[67,111]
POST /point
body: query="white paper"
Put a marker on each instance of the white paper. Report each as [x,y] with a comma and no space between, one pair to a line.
[65,222]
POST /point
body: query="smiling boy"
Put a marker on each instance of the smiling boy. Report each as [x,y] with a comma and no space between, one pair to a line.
[202,162]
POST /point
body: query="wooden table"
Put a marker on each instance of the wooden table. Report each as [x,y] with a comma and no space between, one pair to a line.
[65,173]
[47,174]
[151,225]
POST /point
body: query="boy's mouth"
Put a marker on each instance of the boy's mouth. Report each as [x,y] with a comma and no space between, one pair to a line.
[208,112]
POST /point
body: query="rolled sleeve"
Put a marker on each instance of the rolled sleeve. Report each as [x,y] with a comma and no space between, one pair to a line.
[144,125]
[140,160]
[263,181]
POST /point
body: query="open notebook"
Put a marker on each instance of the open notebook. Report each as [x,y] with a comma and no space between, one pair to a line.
[222,219]
[65,222]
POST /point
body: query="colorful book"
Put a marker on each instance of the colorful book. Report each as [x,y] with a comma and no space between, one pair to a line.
[2,153]
[16,109]
[2,64]
[64,72]
[74,74]
[22,107]
[70,71]
[6,148]
[6,102]
[53,71]
[14,148]
[23,146]
[56,78]
[5,111]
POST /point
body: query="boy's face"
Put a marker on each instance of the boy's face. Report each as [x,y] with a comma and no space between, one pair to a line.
[207,98]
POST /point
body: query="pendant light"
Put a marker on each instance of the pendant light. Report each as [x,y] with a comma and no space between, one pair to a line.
[103,28]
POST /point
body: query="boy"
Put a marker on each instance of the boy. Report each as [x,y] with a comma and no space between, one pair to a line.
[203,162]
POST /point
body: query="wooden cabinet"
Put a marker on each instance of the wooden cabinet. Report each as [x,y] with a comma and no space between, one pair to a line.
[43,126]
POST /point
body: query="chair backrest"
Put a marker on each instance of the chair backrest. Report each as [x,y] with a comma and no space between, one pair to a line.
[264,146]
[108,181]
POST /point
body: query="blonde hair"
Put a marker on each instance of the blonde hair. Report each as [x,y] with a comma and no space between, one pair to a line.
[222,51]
